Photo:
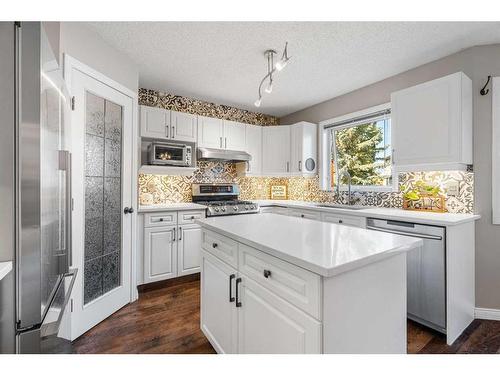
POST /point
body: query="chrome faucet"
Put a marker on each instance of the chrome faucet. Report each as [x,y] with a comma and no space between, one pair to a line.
[348,175]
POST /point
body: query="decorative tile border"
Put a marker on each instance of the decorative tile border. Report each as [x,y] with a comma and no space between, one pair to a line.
[172,189]
[173,102]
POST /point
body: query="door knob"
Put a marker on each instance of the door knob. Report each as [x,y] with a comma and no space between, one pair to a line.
[128,210]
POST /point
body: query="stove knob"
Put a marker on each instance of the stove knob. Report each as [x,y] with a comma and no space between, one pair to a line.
[223,209]
[216,209]
[235,208]
[247,208]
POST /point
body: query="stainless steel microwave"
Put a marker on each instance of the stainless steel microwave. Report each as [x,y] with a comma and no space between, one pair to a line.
[173,154]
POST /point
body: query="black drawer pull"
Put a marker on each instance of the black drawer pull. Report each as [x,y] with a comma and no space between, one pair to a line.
[231,277]
[214,245]
[340,221]
[302,215]
[238,303]
[267,273]
[161,219]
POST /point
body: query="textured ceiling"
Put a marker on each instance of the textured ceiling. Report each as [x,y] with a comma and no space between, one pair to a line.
[223,62]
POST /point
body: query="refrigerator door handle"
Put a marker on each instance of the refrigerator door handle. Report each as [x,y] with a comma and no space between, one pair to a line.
[65,165]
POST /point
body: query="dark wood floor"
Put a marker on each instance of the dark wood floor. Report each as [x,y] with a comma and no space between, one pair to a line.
[166,319]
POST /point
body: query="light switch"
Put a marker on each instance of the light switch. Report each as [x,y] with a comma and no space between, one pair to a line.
[452,188]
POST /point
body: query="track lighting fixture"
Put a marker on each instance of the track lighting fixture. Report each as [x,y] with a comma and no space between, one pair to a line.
[271,69]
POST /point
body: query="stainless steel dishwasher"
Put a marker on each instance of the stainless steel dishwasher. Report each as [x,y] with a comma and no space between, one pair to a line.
[426,271]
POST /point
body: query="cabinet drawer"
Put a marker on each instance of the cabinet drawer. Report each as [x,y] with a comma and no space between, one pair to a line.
[221,246]
[188,217]
[274,210]
[159,219]
[354,221]
[294,284]
[306,214]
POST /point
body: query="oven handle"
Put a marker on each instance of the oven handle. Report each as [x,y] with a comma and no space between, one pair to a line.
[409,234]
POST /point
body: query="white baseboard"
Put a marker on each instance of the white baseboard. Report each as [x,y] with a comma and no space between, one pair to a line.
[489,314]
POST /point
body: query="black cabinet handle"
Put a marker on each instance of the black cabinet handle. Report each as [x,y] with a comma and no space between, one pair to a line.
[214,245]
[173,236]
[180,233]
[231,277]
[340,221]
[238,281]
[128,210]
[161,219]
[302,215]
[267,274]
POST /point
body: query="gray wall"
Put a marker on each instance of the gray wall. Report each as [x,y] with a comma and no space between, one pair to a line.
[84,44]
[477,62]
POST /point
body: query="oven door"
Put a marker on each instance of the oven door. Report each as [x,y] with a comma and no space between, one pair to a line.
[168,154]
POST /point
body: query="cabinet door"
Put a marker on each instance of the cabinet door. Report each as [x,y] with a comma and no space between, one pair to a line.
[188,249]
[210,132]
[218,311]
[160,253]
[426,122]
[184,126]
[276,150]
[296,149]
[254,148]
[268,324]
[155,122]
[234,136]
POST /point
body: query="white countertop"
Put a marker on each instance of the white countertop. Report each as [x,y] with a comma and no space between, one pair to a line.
[435,218]
[171,207]
[5,268]
[323,248]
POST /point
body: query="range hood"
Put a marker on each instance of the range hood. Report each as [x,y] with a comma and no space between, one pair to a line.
[222,155]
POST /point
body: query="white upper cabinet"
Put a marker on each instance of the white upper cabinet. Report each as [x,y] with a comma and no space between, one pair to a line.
[184,126]
[276,150]
[210,132]
[155,122]
[432,125]
[304,154]
[254,148]
[234,136]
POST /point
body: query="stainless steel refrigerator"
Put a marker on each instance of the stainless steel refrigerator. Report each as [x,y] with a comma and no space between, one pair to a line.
[35,124]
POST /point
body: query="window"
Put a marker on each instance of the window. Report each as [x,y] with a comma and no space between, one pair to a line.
[359,144]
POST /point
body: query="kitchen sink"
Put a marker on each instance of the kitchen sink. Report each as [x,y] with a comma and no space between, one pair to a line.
[343,206]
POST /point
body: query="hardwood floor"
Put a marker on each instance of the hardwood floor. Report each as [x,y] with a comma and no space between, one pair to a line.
[166,319]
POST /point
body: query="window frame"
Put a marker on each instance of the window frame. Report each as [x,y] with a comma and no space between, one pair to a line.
[325,135]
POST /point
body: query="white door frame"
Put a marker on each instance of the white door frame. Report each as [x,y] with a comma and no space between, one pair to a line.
[71,63]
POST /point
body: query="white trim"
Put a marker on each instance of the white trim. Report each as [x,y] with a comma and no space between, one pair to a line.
[324,158]
[489,314]
[71,63]
[495,146]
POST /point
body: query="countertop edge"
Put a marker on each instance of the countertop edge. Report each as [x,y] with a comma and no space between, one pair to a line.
[322,271]
[367,212]
[5,268]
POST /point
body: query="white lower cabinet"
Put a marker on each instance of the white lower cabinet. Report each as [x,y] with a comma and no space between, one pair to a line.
[160,253]
[218,309]
[172,245]
[240,314]
[188,249]
[268,324]
[354,221]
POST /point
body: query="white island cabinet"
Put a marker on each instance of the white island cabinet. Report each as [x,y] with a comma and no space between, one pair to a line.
[278,284]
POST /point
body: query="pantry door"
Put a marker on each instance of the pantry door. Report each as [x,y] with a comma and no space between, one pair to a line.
[102,133]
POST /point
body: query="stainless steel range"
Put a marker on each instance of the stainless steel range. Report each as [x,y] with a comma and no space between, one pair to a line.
[222,199]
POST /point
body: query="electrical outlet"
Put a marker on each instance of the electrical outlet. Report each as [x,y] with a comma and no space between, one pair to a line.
[452,189]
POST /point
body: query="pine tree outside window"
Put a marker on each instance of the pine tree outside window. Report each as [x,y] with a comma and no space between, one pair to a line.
[360,145]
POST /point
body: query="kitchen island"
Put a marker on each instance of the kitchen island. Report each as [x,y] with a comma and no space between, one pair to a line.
[279,284]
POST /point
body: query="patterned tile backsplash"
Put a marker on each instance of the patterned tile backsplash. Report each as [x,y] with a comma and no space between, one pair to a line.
[173,102]
[173,189]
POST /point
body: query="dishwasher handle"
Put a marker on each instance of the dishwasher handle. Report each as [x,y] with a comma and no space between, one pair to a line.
[409,234]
